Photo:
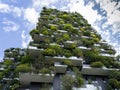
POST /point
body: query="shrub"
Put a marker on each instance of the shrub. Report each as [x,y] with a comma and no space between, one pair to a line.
[68,27]
[34,31]
[23,68]
[97,64]
[79,81]
[77,52]
[53,28]
[68,62]
[67,82]
[45,71]
[67,53]
[49,52]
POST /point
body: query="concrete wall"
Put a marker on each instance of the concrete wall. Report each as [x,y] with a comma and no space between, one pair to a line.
[76,62]
[60,68]
[95,71]
[27,78]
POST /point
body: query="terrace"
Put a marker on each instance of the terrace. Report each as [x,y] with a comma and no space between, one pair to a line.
[75,60]
[27,78]
[60,68]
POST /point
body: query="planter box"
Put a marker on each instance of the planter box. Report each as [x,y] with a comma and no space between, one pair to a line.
[40,38]
[27,78]
[87,70]
[76,61]
[59,68]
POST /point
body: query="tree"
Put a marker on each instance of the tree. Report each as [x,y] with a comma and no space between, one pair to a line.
[113,84]
[97,64]
[79,81]
[67,82]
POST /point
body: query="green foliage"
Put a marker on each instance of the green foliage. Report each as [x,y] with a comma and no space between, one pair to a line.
[115,74]
[8,62]
[15,87]
[1,75]
[53,27]
[67,82]
[67,62]
[86,33]
[68,27]
[26,59]
[45,71]
[79,81]
[45,31]
[49,52]
[66,37]
[57,49]
[97,64]
[67,53]
[77,52]
[113,84]
[34,31]
[23,68]
[88,42]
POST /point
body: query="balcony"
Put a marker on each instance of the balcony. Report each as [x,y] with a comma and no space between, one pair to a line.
[41,38]
[83,48]
[69,44]
[86,37]
[107,55]
[60,68]
[27,78]
[97,45]
[34,51]
[76,61]
[87,70]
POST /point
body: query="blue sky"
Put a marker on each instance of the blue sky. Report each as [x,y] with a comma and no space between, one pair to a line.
[18,17]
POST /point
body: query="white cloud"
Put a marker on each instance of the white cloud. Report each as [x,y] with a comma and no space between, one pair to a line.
[25,39]
[31,15]
[87,11]
[42,3]
[4,8]
[10,25]
[15,11]
[113,14]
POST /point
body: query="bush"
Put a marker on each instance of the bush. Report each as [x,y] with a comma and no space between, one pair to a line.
[49,52]
[68,62]
[77,52]
[68,27]
[53,28]
[23,68]
[97,64]
[79,81]
[67,82]
[34,31]
[67,53]
[45,71]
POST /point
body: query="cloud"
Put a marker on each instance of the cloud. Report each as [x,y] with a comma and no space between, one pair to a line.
[85,11]
[31,15]
[25,39]
[10,9]
[113,14]
[43,3]
[4,8]
[9,25]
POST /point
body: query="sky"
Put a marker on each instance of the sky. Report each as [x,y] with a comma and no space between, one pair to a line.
[19,17]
